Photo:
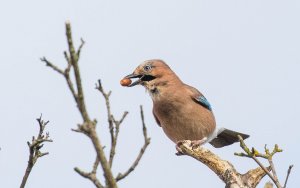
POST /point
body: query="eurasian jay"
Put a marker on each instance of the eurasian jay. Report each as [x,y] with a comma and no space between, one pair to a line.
[181,110]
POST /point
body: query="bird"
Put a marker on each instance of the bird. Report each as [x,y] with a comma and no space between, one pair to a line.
[180,110]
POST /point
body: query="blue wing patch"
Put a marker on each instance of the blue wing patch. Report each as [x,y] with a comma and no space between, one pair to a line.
[204,102]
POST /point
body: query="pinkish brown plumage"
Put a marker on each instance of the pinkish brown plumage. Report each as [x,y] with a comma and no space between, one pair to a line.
[181,110]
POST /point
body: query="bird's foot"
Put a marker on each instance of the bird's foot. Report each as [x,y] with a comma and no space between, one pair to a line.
[193,143]
[197,143]
[178,144]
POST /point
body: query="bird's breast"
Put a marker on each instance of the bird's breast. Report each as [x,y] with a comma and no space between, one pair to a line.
[183,119]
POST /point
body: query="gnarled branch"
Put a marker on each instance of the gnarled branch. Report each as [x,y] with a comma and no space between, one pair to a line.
[222,168]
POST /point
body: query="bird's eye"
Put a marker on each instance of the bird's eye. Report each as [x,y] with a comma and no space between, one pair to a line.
[147,68]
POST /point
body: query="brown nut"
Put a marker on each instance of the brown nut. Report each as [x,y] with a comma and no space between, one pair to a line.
[125,82]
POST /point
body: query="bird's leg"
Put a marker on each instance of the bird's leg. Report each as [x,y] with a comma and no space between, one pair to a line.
[198,143]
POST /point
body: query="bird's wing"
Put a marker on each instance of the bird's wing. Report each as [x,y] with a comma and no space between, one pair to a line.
[203,101]
[199,98]
[156,119]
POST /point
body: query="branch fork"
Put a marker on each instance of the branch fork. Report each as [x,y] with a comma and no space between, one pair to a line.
[255,154]
[88,126]
[35,147]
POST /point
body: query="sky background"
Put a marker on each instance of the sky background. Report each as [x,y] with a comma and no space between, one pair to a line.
[243,55]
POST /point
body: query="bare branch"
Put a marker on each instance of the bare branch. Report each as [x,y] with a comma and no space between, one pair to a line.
[67,76]
[110,118]
[70,83]
[106,96]
[264,168]
[111,182]
[146,139]
[74,61]
[287,175]
[68,60]
[34,148]
[88,126]
[273,169]
[80,47]
[49,64]
[65,73]
[115,137]
[90,176]
[253,153]
[141,153]
[95,166]
[114,125]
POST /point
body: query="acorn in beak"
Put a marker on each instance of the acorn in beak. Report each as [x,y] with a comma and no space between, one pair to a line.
[141,78]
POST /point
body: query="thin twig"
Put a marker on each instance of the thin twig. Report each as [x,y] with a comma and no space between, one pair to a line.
[269,156]
[287,175]
[34,148]
[95,166]
[65,73]
[74,61]
[106,96]
[67,76]
[80,47]
[110,118]
[146,139]
[70,84]
[253,153]
[90,176]
[114,125]
[49,64]
[121,176]
[115,137]
[67,59]
[273,168]
[264,168]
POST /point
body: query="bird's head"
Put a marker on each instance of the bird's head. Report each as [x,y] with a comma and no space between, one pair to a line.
[151,73]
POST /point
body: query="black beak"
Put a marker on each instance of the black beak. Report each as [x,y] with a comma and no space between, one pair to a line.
[135,76]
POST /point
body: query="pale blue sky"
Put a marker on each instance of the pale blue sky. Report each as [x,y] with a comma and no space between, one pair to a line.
[243,55]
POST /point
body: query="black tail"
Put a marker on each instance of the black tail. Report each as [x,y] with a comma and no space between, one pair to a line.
[226,137]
